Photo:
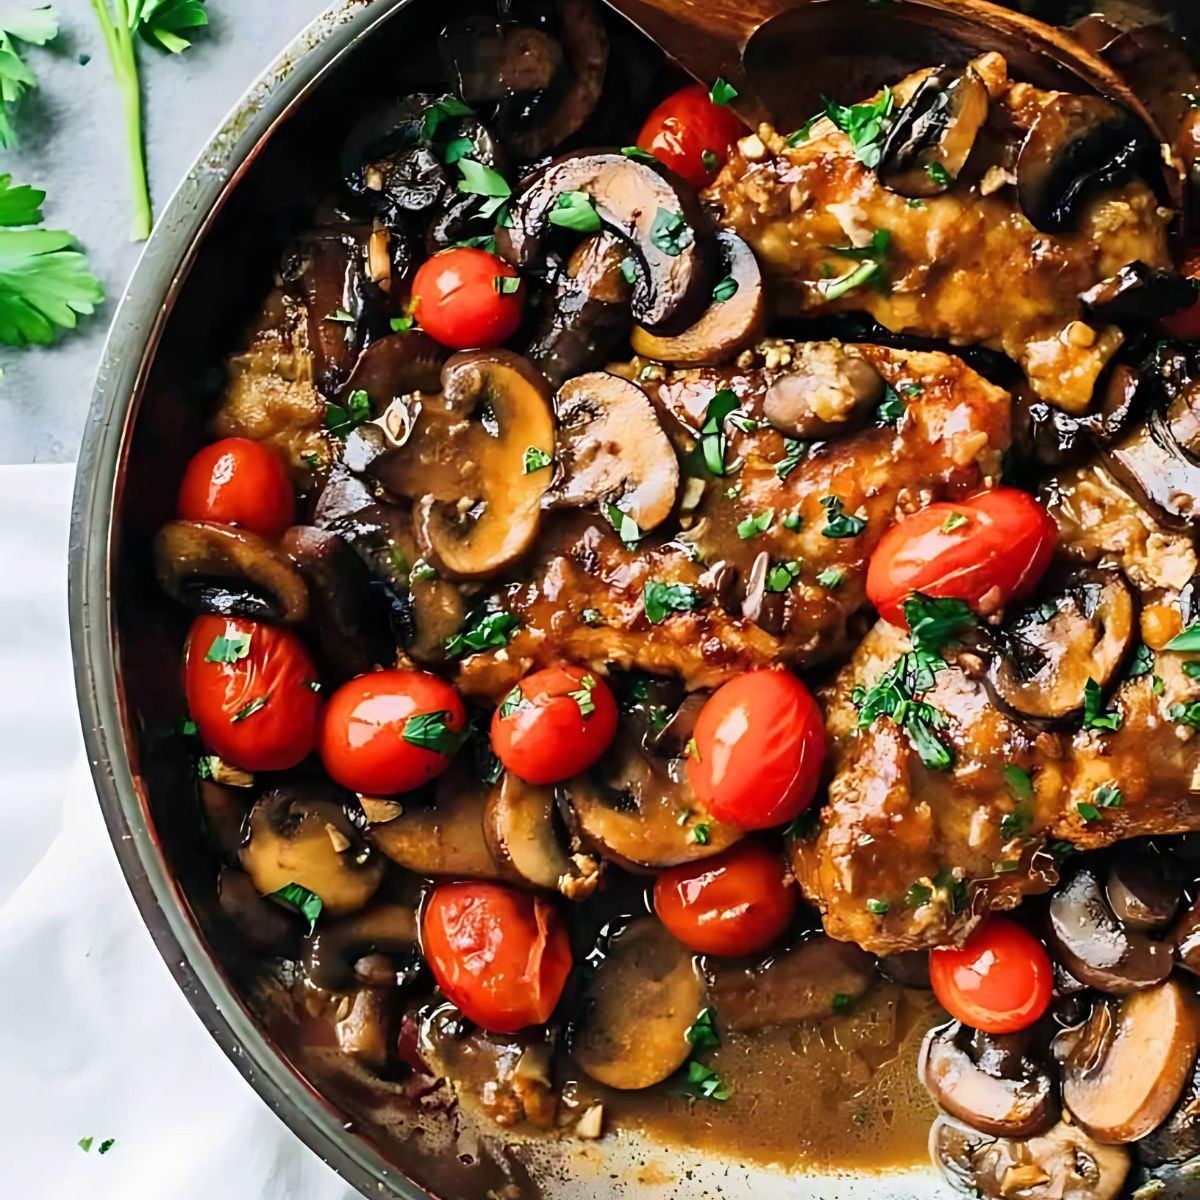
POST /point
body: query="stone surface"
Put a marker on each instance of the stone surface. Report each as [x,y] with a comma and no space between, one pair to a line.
[73,146]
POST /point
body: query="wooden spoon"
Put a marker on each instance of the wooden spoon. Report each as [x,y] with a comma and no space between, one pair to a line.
[783,55]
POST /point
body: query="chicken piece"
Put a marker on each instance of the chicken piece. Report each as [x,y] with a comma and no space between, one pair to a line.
[780,590]
[964,265]
[906,856]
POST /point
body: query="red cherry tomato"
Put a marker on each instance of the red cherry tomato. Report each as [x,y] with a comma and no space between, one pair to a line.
[501,956]
[735,904]
[1000,981]
[759,748]
[554,724]
[260,710]
[1185,324]
[690,134]
[458,301]
[995,545]
[238,481]
[391,731]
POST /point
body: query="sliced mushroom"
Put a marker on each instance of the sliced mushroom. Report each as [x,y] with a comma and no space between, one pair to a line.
[585,313]
[335,946]
[1016,1104]
[1062,1164]
[659,218]
[1124,1070]
[488,60]
[212,568]
[1144,890]
[225,809]
[267,927]
[1096,948]
[933,135]
[396,365]
[302,834]
[1138,293]
[477,507]
[640,812]
[800,984]
[1178,1137]
[1076,146]
[611,447]
[444,839]
[365,1032]
[829,389]
[1085,629]
[640,1002]
[733,322]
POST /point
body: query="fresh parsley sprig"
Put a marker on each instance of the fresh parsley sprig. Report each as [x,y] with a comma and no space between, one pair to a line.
[33,28]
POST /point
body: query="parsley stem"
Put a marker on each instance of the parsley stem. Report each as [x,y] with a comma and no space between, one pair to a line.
[122,53]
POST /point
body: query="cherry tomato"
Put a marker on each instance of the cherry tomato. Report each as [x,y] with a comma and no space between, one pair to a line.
[1185,324]
[992,547]
[251,691]
[554,724]
[735,904]
[759,748]
[690,134]
[1000,981]
[238,481]
[391,731]
[459,302]
[500,955]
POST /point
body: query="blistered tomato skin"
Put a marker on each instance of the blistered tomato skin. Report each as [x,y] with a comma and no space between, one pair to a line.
[1000,981]
[690,134]
[987,550]
[459,299]
[554,724]
[501,956]
[735,904]
[260,711]
[238,481]
[391,731]
[759,746]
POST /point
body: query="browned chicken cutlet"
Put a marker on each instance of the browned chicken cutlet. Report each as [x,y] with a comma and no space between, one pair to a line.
[582,599]
[966,265]
[906,857]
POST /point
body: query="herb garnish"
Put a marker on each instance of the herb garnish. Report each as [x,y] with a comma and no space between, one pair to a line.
[752,526]
[917,894]
[935,622]
[36,27]
[506,285]
[782,575]
[891,407]
[629,270]
[228,648]
[1186,714]
[670,233]
[712,432]
[793,451]
[709,161]
[878,907]
[896,694]
[726,289]
[341,421]
[938,174]
[440,111]
[703,1083]
[955,520]
[485,631]
[1189,639]
[699,833]
[307,904]
[837,523]
[864,124]
[871,259]
[702,1033]
[583,696]
[841,1002]
[626,527]
[661,599]
[832,577]
[340,317]
[722,92]
[577,211]
[431,731]
[536,460]
[248,710]
[1093,715]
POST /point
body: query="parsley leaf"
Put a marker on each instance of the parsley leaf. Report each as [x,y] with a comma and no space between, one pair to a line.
[891,407]
[536,460]
[793,451]
[752,526]
[1189,639]
[703,1083]
[864,124]
[872,258]
[307,904]
[577,211]
[832,577]
[85,1144]
[583,696]
[699,833]
[485,631]
[712,432]
[1089,812]
[167,22]
[781,576]
[1108,795]
[44,283]
[227,648]
[1019,782]
[722,92]
[506,285]
[248,710]
[341,420]
[841,1002]
[35,27]
[478,179]
[878,907]
[837,524]
[702,1033]
[401,324]
[1142,662]
[1186,714]
[917,894]
[670,233]
[445,109]
[106,1145]
[626,527]
[896,695]
[939,174]
[431,731]
[726,289]
[638,154]
[935,622]
[1093,715]
[661,599]
[629,271]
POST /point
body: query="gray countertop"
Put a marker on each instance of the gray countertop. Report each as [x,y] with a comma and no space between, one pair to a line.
[73,146]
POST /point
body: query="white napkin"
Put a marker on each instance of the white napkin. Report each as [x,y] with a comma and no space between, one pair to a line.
[95,1038]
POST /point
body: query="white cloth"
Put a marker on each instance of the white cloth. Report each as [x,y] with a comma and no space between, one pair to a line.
[95,1038]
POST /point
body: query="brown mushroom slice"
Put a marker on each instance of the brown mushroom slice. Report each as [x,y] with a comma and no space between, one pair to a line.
[733,322]
[800,984]
[1144,890]
[302,834]
[1052,647]
[365,1032]
[1095,947]
[1076,146]
[1016,1107]
[211,568]
[225,809]
[1138,293]
[444,839]
[505,423]
[933,135]
[611,447]
[1125,1069]
[396,365]
[1178,1137]
[585,313]
[335,946]
[828,390]
[523,831]
[640,1002]
[267,927]
[640,812]
[1062,1164]
[656,214]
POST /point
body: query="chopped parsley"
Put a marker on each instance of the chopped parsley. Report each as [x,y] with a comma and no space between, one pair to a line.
[670,233]
[421,572]
[442,110]
[536,460]
[506,285]
[699,833]
[228,648]
[752,526]
[871,261]
[837,523]
[1089,812]
[626,527]
[955,889]
[485,631]
[1191,669]
[248,710]
[709,161]
[782,575]
[478,179]
[726,289]
[106,1145]
[832,577]
[917,894]
[712,432]
[512,702]
[841,1002]
[638,154]
[629,271]
[340,316]
[804,827]
[1186,714]
[1189,639]
[1014,824]
[864,124]
[722,92]
[577,211]
[878,907]
[793,521]
[307,904]
[661,599]
[340,420]
[1108,795]
[896,694]
[702,1033]
[85,1144]
[590,616]
[1094,716]
[955,520]
[938,174]
[891,407]
[936,622]
[431,731]
[703,1083]
[793,451]
[583,696]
